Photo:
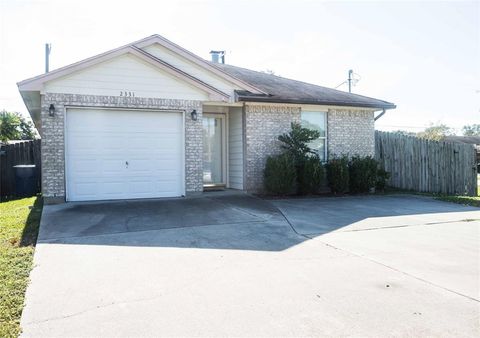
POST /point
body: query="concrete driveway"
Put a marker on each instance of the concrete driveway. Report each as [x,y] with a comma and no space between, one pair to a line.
[234,265]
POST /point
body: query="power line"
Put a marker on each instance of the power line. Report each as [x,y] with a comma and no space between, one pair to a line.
[341,84]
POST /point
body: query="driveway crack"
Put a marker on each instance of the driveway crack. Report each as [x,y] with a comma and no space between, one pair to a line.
[312,236]
[397,226]
[98,307]
[400,271]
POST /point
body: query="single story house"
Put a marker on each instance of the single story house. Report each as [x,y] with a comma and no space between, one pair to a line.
[151,119]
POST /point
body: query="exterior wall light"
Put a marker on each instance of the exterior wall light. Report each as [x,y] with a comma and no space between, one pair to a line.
[51,110]
[194,115]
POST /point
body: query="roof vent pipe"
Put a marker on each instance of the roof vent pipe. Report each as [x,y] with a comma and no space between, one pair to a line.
[48,48]
[218,56]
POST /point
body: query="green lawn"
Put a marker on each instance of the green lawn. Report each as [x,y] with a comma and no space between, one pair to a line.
[473,201]
[19,222]
[465,200]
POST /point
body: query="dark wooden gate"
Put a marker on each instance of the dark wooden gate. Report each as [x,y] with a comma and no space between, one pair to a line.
[21,152]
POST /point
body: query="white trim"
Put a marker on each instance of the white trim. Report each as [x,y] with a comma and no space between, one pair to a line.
[184,112]
[223,104]
[310,107]
[67,107]
[244,148]
[227,148]
[325,116]
[65,147]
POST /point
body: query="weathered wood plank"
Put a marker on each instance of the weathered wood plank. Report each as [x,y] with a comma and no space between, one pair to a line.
[427,166]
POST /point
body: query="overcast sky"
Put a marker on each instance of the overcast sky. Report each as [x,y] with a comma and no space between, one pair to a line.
[423,56]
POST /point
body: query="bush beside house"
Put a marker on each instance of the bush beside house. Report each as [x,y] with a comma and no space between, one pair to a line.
[312,176]
[338,176]
[280,175]
[363,174]
[299,170]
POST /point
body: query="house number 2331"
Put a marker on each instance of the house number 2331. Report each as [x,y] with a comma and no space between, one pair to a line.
[125,93]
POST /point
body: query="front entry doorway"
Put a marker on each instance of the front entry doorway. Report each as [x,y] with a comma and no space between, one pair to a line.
[214,152]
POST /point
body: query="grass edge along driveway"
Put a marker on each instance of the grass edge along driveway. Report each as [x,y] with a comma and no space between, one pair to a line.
[19,222]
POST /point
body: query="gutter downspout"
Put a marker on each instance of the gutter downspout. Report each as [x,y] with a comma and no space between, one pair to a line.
[381,114]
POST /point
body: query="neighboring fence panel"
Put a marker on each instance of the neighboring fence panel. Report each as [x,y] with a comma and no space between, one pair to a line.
[25,152]
[427,166]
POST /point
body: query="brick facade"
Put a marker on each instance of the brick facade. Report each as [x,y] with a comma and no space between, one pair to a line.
[350,132]
[263,125]
[53,138]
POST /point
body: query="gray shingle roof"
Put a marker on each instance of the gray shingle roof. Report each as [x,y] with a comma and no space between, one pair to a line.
[283,90]
[464,139]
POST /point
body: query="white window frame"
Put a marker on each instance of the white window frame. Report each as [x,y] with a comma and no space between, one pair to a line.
[325,113]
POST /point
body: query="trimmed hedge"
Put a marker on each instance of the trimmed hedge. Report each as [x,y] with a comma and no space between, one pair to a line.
[280,175]
[338,175]
[363,174]
[300,170]
[382,177]
[310,176]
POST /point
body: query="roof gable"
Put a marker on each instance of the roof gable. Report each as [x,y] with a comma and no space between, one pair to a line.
[195,59]
[37,83]
[126,74]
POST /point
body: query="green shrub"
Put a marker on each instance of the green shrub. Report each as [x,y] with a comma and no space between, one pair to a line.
[280,175]
[338,175]
[309,171]
[382,177]
[310,176]
[295,142]
[363,174]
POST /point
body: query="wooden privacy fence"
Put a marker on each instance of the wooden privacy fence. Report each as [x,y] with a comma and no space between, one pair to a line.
[22,152]
[427,166]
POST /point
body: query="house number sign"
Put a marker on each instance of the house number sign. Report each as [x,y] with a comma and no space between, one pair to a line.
[125,93]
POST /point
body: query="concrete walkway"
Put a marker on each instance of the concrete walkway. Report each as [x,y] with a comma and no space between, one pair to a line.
[233,265]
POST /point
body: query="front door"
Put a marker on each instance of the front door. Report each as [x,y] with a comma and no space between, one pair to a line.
[213,150]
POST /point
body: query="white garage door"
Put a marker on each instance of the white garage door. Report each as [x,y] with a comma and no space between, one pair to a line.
[120,154]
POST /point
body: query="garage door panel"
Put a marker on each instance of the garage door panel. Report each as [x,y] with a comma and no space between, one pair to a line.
[85,166]
[85,189]
[151,143]
[101,142]
[112,187]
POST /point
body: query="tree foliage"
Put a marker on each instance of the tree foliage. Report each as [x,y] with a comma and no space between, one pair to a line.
[295,142]
[13,126]
[404,133]
[436,132]
[298,169]
[471,130]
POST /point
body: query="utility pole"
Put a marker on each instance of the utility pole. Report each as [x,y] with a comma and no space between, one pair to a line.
[350,78]
[48,48]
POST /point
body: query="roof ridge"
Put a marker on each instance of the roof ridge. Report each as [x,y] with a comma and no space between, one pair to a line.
[156,59]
